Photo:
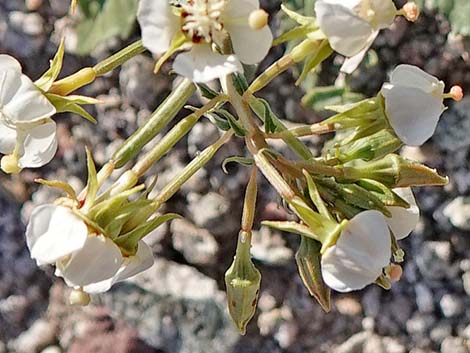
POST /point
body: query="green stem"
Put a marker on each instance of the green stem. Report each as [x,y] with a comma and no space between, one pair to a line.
[173,136]
[249,206]
[303,131]
[156,123]
[196,164]
[119,58]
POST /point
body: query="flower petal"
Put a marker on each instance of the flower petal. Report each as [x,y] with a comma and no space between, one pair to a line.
[250,45]
[7,139]
[384,13]
[412,113]
[99,259]
[28,103]
[239,8]
[201,64]
[351,64]
[412,76]
[54,232]
[403,220]
[347,33]
[8,62]
[362,250]
[142,260]
[158,24]
[39,146]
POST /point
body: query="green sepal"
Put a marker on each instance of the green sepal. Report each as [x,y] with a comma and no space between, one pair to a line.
[218,121]
[315,197]
[45,82]
[308,259]
[176,44]
[72,104]
[299,32]
[246,162]
[92,182]
[292,227]
[383,282]
[385,194]
[300,19]
[315,59]
[242,281]
[232,121]
[128,242]
[66,188]
[114,227]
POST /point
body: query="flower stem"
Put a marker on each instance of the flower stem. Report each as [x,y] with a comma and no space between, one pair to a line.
[197,163]
[156,123]
[302,131]
[249,206]
[173,136]
[119,58]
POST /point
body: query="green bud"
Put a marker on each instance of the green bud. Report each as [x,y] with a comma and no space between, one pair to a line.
[370,147]
[395,171]
[308,263]
[242,281]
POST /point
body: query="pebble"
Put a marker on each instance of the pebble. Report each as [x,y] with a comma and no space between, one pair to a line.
[28,23]
[453,345]
[424,298]
[451,305]
[39,335]
[348,306]
[52,349]
[458,212]
[433,259]
[440,332]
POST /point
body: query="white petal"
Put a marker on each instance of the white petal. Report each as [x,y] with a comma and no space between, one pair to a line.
[351,64]
[7,138]
[28,103]
[54,232]
[142,261]
[362,250]
[347,33]
[201,64]
[158,24]
[404,220]
[385,13]
[10,82]
[8,62]
[239,8]
[250,46]
[412,76]
[412,113]
[99,259]
[39,146]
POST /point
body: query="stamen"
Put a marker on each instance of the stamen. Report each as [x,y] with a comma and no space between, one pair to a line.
[258,19]
[456,93]
[9,164]
[79,297]
[394,272]
[410,11]
[201,18]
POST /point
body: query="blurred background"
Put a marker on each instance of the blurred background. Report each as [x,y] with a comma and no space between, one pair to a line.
[178,306]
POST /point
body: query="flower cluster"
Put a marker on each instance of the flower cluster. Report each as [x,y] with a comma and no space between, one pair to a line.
[353,202]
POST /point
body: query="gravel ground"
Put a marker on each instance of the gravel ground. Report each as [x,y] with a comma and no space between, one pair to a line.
[179,305]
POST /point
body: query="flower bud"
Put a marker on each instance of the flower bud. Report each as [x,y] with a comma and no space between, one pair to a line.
[79,297]
[258,19]
[242,281]
[456,93]
[395,172]
[370,147]
[308,264]
[9,164]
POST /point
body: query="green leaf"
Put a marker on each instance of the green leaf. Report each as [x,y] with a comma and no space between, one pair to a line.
[92,183]
[71,104]
[45,82]
[240,83]
[247,162]
[232,121]
[105,19]
[206,91]
[59,185]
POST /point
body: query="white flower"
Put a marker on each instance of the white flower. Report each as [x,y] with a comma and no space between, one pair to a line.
[26,129]
[205,24]
[413,103]
[351,26]
[403,220]
[363,249]
[55,235]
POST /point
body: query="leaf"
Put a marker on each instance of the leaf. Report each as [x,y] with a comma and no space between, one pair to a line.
[239,131]
[45,82]
[105,19]
[59,185]
[206,91]
[301,20]
[92,183]
[240,83]
[247,162]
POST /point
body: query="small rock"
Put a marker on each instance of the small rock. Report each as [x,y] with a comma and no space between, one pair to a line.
[453,345]
[458,212]
[371,302]
[270,248]
[28,23]
[197,245]
[354,344]
[451,305]
[392,345]
[348,306]
[419,324]
[41,334]
[433,259]
[424,298]
[33,5]
[440,332]
[52,349]
[202,135]
[374,345]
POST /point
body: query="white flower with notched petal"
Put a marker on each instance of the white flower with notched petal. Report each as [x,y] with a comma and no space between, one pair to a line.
[363,249]
[27,133]
[403,220]
[351,26]
[56,235]
[413,103]
[205,24]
